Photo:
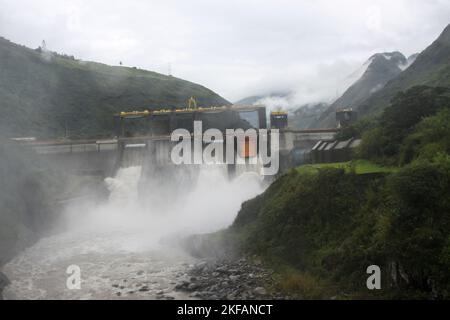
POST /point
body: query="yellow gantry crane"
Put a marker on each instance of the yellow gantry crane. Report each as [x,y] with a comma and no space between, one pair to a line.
[192,105]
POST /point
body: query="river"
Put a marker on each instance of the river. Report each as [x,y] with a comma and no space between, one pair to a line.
[125,248]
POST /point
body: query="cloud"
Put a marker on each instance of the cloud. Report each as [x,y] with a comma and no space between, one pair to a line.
[236,48]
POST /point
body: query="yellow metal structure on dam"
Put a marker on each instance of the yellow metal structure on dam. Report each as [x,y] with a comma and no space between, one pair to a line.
[162,122]
[144,136]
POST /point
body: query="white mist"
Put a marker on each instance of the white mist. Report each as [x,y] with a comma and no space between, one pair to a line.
[125,242]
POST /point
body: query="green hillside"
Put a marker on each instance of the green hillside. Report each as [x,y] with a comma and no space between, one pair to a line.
[42,93]
[320,226]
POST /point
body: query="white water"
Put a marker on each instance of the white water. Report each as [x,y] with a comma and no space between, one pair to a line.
[124,244]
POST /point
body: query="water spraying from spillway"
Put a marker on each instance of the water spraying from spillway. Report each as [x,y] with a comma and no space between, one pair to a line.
[161,208]
[121,238]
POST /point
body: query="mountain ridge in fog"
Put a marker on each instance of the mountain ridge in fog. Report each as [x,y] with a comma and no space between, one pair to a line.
[431,67]
[379,70]
[378,81]
[357,86]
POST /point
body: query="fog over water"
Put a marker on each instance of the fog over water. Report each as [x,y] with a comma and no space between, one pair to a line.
[128,237]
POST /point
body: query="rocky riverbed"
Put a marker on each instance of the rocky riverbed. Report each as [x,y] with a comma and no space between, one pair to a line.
[228,279]
[113,267]
[125,248]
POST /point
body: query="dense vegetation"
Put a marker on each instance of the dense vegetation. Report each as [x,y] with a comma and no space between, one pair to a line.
[321,226]
[50,95]
[414,126]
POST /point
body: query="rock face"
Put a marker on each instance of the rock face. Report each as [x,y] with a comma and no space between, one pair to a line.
[26,209]
[229,279]
[4,281]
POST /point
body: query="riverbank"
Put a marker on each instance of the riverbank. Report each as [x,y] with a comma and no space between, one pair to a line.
[321,229]
[4,281]
[230,279]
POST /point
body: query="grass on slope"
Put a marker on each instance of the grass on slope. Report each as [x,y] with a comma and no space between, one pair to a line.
[357,166]
[51,96]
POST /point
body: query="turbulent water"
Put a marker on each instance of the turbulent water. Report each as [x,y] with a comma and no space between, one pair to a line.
[125,247]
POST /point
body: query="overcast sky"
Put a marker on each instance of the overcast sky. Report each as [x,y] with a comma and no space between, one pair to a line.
[236,48]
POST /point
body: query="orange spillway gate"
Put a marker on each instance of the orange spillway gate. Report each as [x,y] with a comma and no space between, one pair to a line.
[248,150]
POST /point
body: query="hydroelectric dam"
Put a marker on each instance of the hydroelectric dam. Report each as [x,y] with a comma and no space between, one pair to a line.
[129,245]
[144,137]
